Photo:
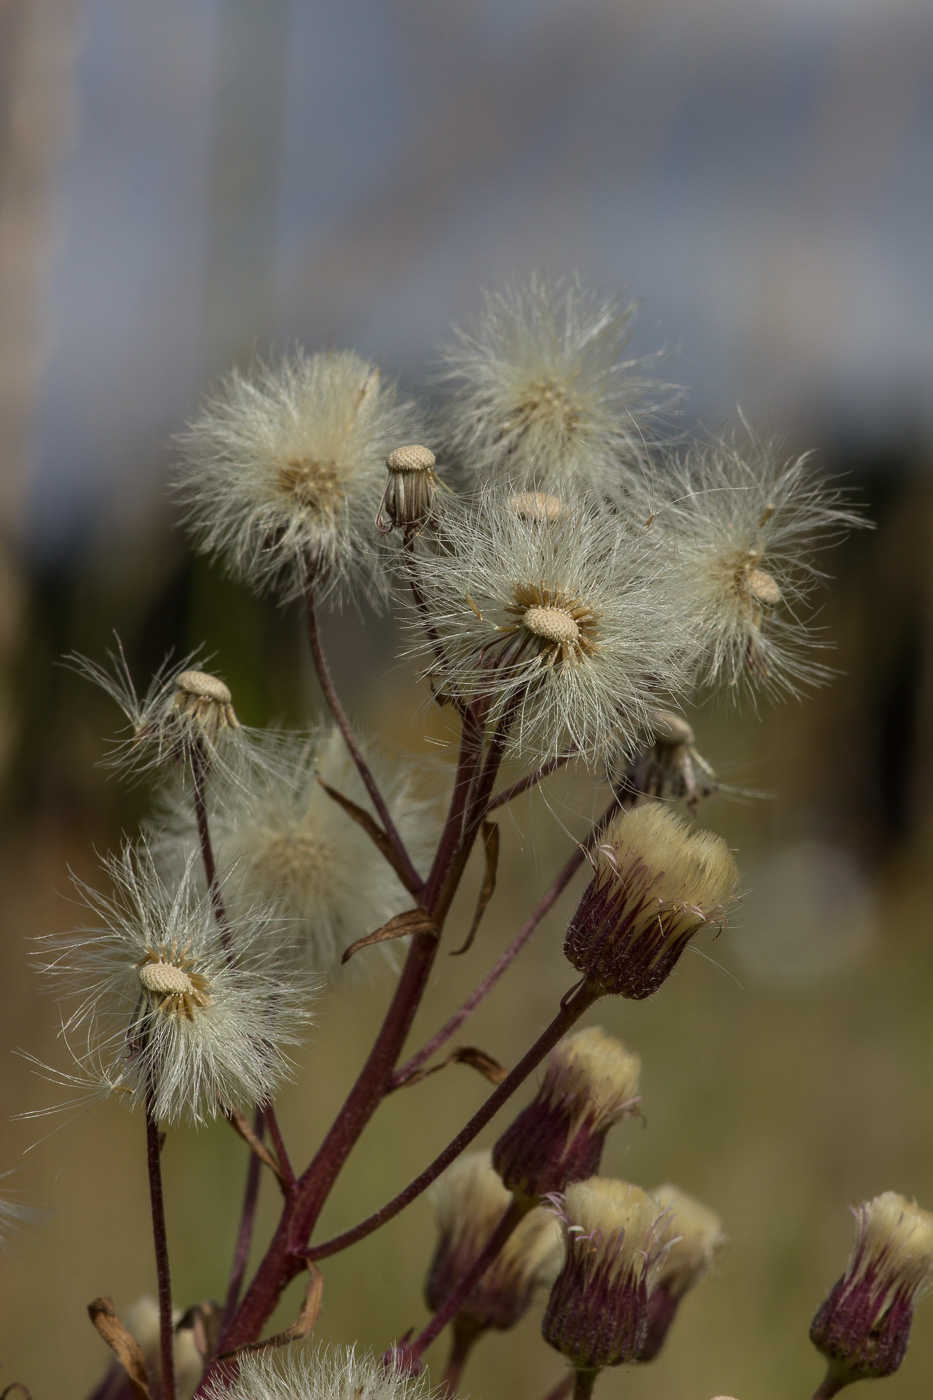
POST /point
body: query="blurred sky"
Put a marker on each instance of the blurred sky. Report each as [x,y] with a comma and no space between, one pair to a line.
[231,175]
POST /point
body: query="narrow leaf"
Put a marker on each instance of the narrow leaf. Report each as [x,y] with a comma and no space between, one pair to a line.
[122,1343]
[303,1325]
[464,1055]
[412,921]
[373,830]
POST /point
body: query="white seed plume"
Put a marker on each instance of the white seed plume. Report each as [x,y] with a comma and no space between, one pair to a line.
[283,470]
[567,626]
[338,1373]
[543,389]
[183,710]
[160,999]
[745,526]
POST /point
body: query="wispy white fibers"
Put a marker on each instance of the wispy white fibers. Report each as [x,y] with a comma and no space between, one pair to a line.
[566,623]
[162,1001]
[746,524]
[338,1373]
[543,388]
[283,470]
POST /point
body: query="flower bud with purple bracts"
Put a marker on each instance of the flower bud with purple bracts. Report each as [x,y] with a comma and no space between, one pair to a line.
[697,1242]
[615,1238]
[469,1201]
[591,1081]
[657,882]
[409,493]
[864,1325]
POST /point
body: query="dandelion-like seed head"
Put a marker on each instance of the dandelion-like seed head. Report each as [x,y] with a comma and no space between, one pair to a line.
[668,765]
[747,526]
[542,389]
[566,629]
[337,1373]
[469,1201]
[697,1241]
[863,1327]
[615,1238]
[657,881]
[169,1003]
[590,1082]
[282,471]
[185,717]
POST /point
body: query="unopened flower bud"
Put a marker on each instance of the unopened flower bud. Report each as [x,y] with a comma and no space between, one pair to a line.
[697,1241]
[864,1325]
[591,1081]
[657,882]
[615,1236]
[205,702]
[470,1200]
[409,490]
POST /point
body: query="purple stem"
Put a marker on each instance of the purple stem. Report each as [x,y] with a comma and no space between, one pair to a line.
[247,1221]
[512,1216]
[562,1389]
[166,1332]
[832,1383]
[572,1008]
[343,724]
[499,967]
[523,784]
[199,769]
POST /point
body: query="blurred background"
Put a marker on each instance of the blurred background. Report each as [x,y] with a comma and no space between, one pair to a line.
[184,183]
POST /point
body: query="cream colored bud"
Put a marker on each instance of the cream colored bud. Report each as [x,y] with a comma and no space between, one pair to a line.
[764,588]
[671,729]
[206,702]
[537,507]
[411,459]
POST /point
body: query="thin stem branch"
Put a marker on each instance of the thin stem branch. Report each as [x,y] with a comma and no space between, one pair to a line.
[832,1383]
[530,780]
[502,964]
[512,1216]
[343,724]
[583,1382]
[463,1341]
[157,1204]
[199,769]
[562,1389]
[247,1221]
[572,1008]
[281,1152]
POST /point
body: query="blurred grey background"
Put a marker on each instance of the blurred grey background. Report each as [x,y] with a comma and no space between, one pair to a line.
[186,182]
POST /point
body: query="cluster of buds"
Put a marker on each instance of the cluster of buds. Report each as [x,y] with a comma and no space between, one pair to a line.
[697,1243]
[657,882]
[864,1325]
[591,1081]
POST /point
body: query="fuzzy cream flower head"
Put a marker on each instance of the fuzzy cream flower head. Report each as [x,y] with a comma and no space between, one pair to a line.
[615,1238]
[295,849]
[746,526]
[591,1081]
[863,1327]
[186,716]
[164,999]
[282,472]
[543,389]
[565,628]
[696,1243]
[337,1373]
[469,1201]
[657,882]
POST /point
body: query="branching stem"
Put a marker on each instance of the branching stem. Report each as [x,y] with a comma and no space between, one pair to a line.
[157,1204]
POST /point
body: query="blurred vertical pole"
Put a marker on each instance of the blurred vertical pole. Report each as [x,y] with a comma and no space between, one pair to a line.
[37,49]
[242,232]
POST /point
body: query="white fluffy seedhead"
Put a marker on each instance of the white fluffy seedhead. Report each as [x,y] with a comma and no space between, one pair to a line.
[161,1000]
[566,625]
[292,848]
[185,716]
[283,470]
[746,526]
[338,1373]
[543,389]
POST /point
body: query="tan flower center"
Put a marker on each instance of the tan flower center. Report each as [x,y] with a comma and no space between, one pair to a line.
[537,507]
[203,687]
[176,990]
[313,483]
[560,627]
[553,625]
